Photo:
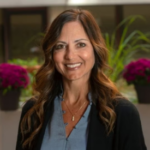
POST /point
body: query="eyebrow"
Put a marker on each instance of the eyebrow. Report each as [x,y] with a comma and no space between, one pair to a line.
[74,41]
[62,42]
[80,40]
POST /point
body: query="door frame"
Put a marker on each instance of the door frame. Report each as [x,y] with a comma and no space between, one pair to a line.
[7,13]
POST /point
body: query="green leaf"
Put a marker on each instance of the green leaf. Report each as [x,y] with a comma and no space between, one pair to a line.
[129,45]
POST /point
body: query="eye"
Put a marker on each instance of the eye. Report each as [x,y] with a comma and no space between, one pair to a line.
[60,46]
[81,45]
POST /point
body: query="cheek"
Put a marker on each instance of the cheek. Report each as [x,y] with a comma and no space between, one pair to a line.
[89,56]
[56,58]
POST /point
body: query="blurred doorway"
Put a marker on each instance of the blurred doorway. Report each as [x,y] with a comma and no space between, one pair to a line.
[21,26]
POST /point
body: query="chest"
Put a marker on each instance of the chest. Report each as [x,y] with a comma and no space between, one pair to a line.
[56,131]
[71,116]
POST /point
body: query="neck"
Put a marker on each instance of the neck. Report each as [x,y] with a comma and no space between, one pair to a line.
[75,91]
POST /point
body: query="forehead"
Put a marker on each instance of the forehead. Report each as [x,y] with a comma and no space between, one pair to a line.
[73,29]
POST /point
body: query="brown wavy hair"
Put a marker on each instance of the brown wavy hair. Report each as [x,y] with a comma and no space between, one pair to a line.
[48,80]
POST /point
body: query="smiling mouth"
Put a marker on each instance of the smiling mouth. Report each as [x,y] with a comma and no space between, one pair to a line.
[73,65]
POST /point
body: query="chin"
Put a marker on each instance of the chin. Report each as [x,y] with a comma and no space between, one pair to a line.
[73,78]
[76,77]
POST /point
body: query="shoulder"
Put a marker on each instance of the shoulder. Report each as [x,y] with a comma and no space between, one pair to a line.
[128,126]
[125,106]
[126,112]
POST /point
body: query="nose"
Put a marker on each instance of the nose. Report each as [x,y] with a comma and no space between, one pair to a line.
[69,55]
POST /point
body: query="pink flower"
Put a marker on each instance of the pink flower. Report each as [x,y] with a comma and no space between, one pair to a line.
[138,72]
[13,75]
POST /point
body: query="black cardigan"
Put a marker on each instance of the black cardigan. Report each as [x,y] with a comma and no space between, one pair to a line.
[127,134]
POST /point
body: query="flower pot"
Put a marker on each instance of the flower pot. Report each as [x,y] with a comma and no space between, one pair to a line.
[143,93]
[10,100]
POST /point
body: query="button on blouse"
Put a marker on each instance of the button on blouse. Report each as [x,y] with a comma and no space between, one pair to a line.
[55,134]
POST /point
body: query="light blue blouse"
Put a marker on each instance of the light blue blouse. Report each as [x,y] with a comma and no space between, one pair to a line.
[55,134]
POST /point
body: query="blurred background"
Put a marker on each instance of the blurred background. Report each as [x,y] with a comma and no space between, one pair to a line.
[23,24]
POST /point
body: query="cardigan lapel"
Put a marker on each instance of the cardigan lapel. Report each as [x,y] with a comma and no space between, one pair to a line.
[97,137]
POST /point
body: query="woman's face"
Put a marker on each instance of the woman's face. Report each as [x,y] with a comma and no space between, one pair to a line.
[73,54]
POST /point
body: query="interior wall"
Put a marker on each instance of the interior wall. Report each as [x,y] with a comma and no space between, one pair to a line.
[104,15]
[143,10]
[54,11]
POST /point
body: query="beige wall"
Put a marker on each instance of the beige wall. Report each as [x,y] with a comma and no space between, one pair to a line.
[54,11]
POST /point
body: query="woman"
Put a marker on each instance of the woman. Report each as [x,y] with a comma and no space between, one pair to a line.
[77,107]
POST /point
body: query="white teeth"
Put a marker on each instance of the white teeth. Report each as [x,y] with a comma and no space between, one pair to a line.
[74,65]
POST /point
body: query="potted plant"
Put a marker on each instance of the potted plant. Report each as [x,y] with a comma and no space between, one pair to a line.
[31,65]
[138,73]
[12,79]
[130,43]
